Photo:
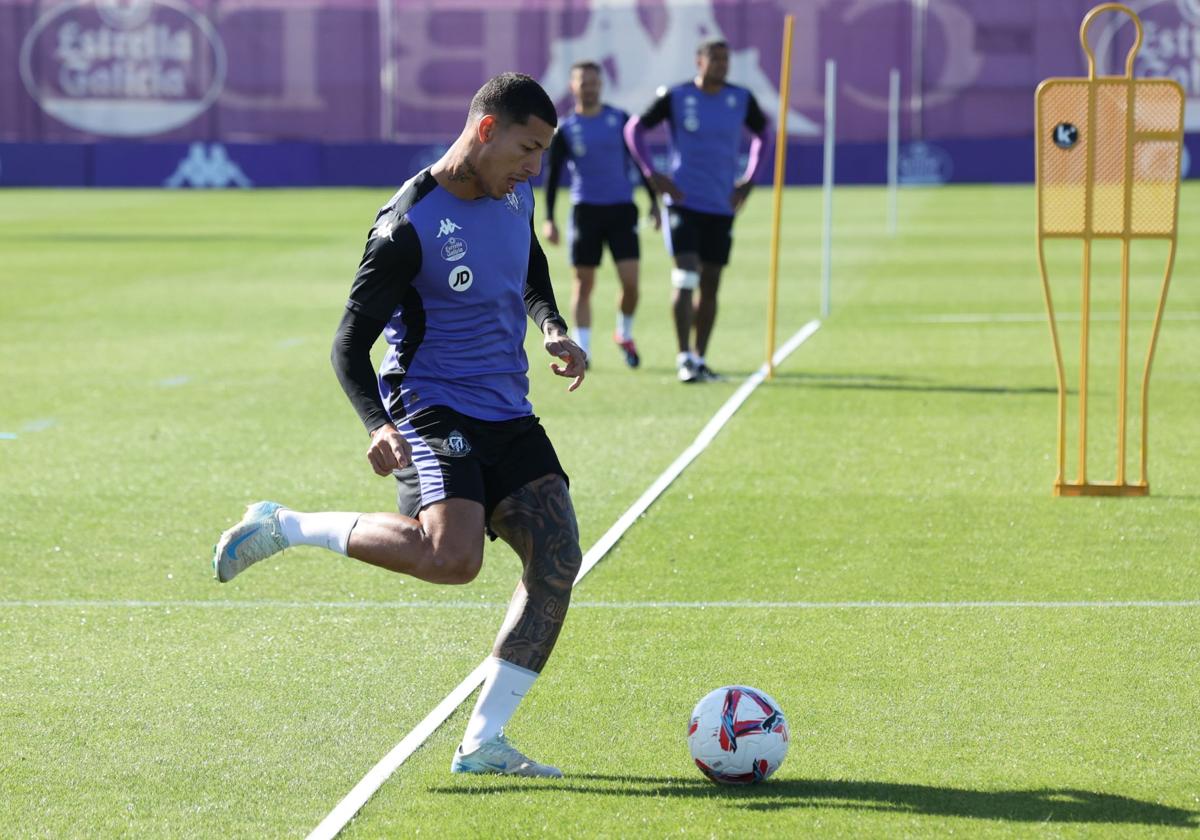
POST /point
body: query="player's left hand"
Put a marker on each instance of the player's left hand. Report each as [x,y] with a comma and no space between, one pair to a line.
[560,345]
[741,191]
[656,218]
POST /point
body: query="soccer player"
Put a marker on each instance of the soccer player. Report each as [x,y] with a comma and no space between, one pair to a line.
[450,271]
[590,141]
[703,191]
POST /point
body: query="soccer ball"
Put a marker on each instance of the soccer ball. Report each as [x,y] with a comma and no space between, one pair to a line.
[737,735]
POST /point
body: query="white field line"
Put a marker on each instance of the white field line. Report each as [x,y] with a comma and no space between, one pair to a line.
[1030,317]
[599,605]
[365,789]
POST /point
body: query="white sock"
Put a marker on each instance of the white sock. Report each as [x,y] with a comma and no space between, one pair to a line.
[504,685]
[583,337]
[682,357]
[697,359]
[624,326]
[324,530]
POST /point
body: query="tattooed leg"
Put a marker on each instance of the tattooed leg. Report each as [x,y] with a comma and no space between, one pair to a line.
[538,521]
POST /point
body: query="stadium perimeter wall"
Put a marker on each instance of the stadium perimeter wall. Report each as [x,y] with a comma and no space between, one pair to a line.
[332,92]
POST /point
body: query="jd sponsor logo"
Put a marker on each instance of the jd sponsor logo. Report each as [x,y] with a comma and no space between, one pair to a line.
[123,68]
[461,277]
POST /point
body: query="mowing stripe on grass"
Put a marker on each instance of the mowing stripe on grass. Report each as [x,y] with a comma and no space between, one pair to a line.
[596,605]
[1031,317]
[365,789]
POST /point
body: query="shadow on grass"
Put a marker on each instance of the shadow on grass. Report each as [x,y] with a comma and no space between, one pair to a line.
[867,382]
[1042,805]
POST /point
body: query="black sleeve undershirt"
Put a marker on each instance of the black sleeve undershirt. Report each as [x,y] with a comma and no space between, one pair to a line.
[539,292]
[558,156]
[389,264]
[660,110]
[351,358]
[755,120]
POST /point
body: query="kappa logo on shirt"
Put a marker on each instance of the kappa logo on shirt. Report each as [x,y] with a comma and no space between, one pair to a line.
[447,227]
[384,228]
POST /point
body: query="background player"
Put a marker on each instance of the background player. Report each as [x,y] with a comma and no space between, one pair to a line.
[450,272]
[591,143]
[703,192]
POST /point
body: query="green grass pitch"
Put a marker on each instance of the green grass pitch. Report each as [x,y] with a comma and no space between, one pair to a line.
[165,362]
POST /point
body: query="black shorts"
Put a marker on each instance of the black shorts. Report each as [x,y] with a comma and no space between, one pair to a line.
[594,224]
[459,457]
[709,235]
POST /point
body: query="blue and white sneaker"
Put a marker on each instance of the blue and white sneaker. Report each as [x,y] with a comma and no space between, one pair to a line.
[497,756]
[255,538]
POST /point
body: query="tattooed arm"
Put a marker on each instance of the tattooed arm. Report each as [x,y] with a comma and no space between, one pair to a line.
[538,521]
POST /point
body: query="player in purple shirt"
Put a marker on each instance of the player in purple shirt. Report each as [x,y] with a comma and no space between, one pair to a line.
[590,142]
[450,273]
[707,118]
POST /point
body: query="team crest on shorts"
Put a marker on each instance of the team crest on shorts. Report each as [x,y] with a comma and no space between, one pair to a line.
[456,445]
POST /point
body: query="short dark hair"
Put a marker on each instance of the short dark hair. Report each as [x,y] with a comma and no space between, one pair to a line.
[586,64]
[708,46]
[513,97]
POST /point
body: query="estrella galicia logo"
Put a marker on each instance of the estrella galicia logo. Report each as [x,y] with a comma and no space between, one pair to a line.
[454,249]
[123,68]
[461,277]
[1065,135]
[456,445]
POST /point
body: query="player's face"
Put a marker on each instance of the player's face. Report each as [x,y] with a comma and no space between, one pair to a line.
[585,86]
[713,65]
[510,153]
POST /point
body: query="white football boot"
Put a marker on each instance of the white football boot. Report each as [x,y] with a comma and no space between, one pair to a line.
[497,756]
[255,538]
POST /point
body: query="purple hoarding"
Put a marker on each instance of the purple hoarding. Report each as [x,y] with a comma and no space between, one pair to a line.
[346,72]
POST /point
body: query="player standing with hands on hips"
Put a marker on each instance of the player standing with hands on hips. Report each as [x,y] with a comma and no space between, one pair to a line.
[590,141]
[450,273]
[703,192]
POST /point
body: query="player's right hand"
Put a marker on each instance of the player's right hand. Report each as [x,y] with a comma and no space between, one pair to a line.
[388,450]
[741,192]
[550,231]
[663,185]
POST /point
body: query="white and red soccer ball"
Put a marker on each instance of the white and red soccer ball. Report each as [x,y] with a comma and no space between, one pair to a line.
[737,735]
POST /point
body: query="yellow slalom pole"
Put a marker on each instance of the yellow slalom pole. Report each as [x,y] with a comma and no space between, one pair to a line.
[785,78]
